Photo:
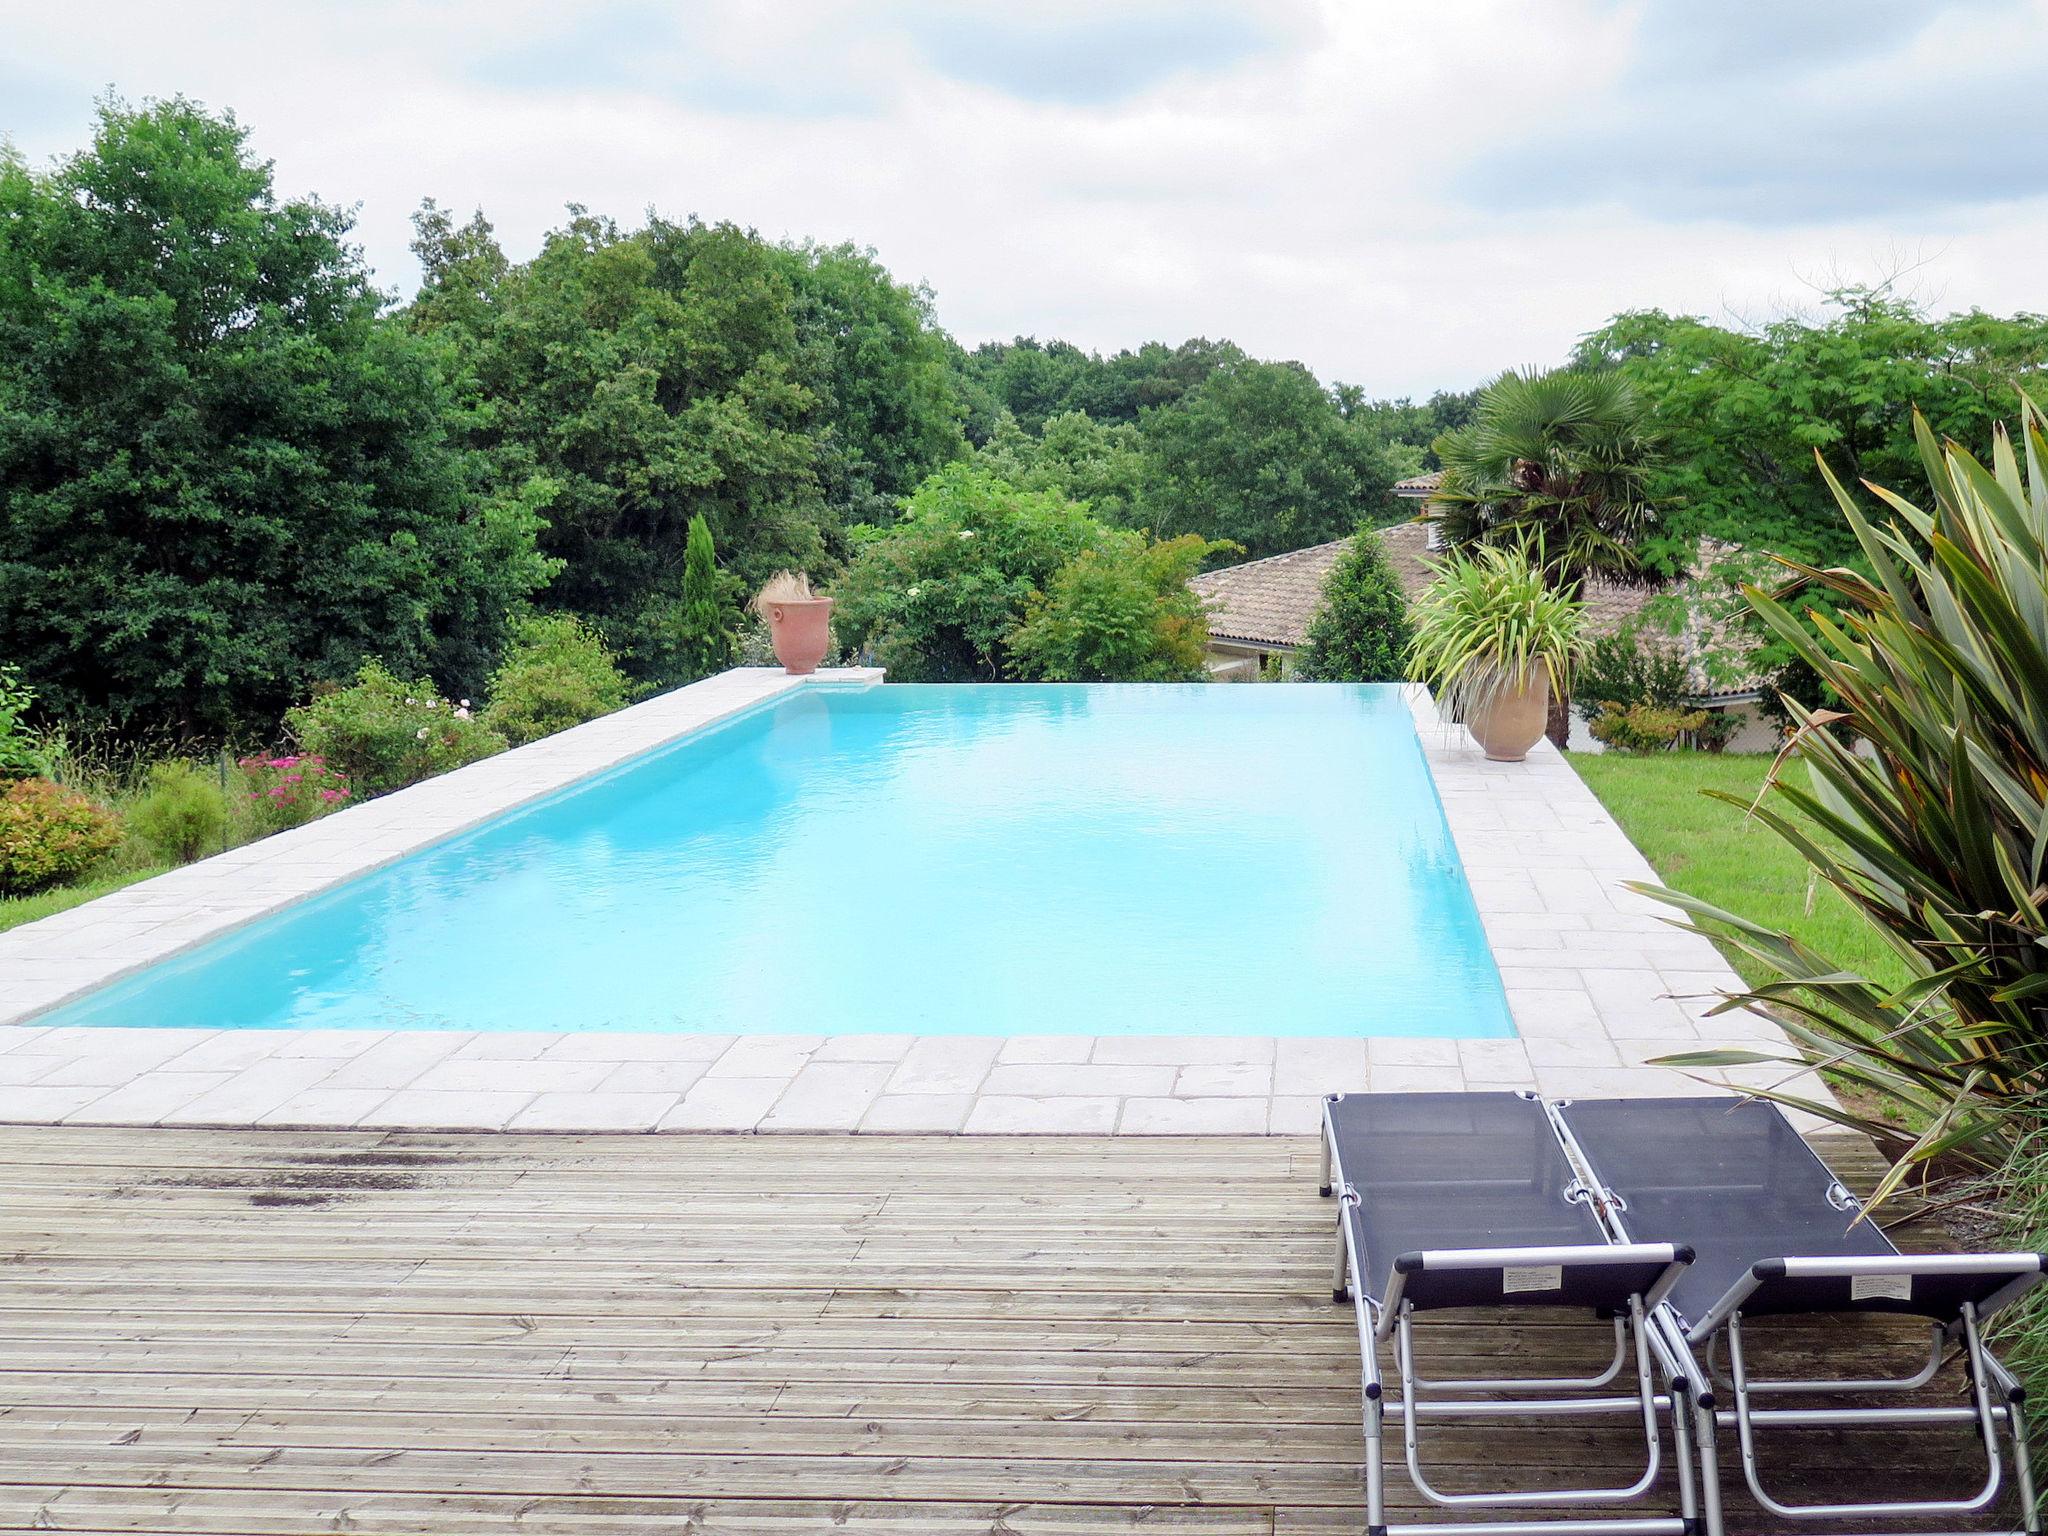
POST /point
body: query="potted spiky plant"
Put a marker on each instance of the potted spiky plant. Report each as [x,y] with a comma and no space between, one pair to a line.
[799,623]
[1493,638]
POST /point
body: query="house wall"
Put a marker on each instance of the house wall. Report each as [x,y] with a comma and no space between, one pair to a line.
[1230,663]
[1758,733]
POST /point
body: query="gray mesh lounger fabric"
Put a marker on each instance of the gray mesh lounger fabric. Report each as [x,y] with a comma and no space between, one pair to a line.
[1736,1181]
[1730,1175]
[1453,1170]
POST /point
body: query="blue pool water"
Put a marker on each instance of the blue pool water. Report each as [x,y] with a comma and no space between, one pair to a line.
[918,860]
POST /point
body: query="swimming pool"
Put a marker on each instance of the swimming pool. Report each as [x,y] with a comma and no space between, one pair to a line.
[908,859]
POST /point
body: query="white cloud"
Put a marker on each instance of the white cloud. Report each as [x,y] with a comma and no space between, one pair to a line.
[1832,109]
[1311,182]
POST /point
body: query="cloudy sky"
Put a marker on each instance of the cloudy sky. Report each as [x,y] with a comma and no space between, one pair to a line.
[1405,194]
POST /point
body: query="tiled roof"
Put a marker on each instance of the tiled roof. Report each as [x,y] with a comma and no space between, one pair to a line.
[1418,486]
[1271,601]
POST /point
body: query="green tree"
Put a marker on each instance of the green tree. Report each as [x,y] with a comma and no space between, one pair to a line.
[1259,455]
[1407,432]
[1559,463]
[888,412]
[644,378]
[223,476]
[1360,633]
[1119,612]
[935,597]
[1101,466]
[1035,381]
[463,271]
[1742,412]
[1405,422]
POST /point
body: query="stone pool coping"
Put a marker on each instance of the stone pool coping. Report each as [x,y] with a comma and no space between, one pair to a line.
[1596,980]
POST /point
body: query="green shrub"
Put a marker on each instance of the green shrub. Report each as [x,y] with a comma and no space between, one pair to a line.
[1622,669]
[1716,729]
[1121,612]
[385,734]
[182,813]
[289,791]
[1644,727]
[50,835]
[1360,633]
[935,596]
[556,673]
[20,757]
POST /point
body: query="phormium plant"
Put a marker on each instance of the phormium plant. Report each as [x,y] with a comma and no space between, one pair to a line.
[1937,828]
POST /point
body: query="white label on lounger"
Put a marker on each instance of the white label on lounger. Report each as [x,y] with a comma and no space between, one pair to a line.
[1880,1287]
[1531,1277]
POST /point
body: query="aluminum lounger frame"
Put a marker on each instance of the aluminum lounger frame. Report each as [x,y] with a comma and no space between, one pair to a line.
[1639,1342]
[1996,1398]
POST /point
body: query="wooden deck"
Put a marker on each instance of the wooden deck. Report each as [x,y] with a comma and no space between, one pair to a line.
[259,1333]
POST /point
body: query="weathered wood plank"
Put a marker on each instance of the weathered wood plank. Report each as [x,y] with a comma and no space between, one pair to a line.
[267,1334]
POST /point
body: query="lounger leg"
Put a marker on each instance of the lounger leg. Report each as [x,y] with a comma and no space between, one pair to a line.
[1340,1267]
[2023,1463]
[1749,1419]
[1375,1468]
[1706,1427]
[1325,1190]
[1681,1453]
[2014,1400]
[1693,1427]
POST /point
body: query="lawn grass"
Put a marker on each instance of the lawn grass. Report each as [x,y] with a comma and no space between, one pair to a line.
[1710,849]
[16,910]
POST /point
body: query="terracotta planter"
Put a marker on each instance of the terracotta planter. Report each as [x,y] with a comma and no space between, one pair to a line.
[802,632]
[1507,722]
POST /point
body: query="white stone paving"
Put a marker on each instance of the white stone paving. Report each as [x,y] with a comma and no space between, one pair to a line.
[1597,983]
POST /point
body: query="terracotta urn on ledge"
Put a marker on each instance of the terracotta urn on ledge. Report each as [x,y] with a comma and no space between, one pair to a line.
[801,628]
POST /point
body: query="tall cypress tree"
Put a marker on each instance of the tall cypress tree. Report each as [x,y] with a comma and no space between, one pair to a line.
[706,639]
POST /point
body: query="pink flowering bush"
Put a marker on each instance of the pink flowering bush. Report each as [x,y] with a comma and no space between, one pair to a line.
[290,790]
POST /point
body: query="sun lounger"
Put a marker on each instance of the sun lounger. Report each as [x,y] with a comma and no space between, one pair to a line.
[1470,1200]
[1774,1232]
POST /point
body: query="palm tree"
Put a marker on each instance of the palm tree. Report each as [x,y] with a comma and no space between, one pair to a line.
[1557,464]
[1553,461]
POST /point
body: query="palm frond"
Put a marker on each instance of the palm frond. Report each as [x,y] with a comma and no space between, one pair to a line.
[1564,456]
